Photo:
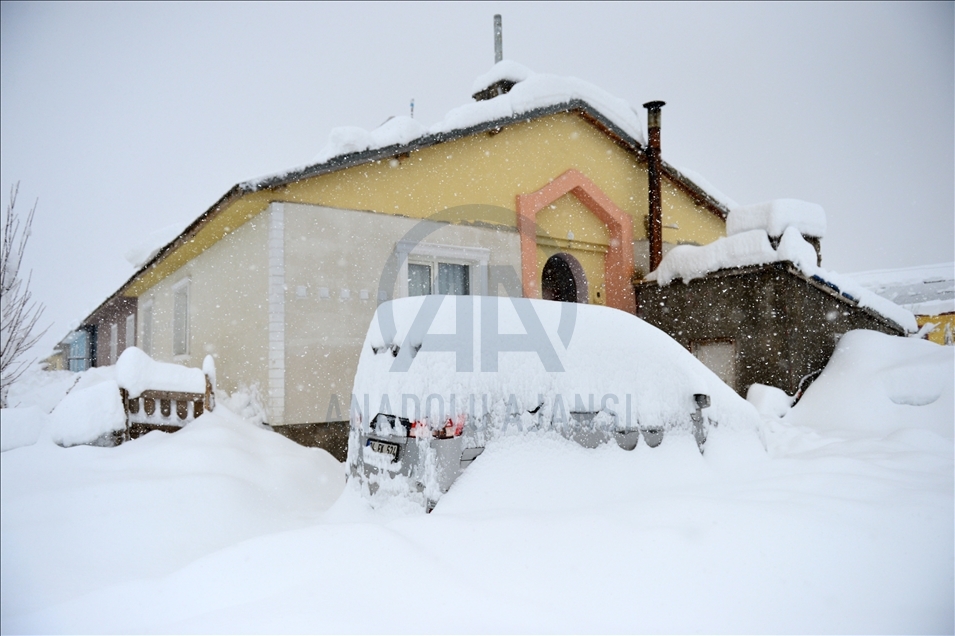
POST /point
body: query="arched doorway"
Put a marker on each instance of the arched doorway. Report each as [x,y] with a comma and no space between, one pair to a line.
[618,261]
[563,280]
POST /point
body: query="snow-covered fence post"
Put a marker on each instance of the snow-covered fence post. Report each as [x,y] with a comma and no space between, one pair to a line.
[209,369]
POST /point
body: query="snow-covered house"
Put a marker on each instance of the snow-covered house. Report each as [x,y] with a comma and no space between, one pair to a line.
[539,187]
[756,306]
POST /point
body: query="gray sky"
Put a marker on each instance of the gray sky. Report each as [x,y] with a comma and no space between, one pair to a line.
[124,118]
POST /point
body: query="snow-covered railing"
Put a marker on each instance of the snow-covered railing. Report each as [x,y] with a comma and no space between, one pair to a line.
[162,396]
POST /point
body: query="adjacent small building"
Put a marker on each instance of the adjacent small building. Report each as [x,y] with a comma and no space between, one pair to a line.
[928,291]
[756,307]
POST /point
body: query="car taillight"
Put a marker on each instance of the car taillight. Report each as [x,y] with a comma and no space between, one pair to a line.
[454,427]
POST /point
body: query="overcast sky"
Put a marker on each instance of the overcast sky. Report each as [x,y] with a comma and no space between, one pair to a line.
[124,118]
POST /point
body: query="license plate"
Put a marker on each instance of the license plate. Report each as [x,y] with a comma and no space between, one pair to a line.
[385,448]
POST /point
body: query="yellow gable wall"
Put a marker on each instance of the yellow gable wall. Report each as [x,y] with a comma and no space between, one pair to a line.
[941,322]
[489,169]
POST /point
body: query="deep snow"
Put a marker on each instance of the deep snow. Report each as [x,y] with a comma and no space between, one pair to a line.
[837,517]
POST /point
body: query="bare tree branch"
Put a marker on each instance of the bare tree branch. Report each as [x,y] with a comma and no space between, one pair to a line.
[19,313]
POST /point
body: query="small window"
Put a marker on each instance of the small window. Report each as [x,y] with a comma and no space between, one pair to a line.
[147,325]
[431,268]
[113,343]
[130,331]
[452,279]
[180,319]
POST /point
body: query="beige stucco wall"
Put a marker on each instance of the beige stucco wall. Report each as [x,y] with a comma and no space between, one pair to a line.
[228,309]
[340,250]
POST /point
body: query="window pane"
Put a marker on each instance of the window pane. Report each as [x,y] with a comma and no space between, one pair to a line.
[78,345]
[419,279]
[147,342]
[130,330]
[453,280]
[79,351]
[113,342]
[180,322]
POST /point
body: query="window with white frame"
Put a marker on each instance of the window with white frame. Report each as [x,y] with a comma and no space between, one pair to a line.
[146,341]
[130,331]
[431,276]
[428,268]
[180,318]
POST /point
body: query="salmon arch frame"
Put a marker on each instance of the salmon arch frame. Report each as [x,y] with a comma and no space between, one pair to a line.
[618,262]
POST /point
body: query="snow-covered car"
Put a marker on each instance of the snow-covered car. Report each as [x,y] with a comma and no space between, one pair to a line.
[440,376]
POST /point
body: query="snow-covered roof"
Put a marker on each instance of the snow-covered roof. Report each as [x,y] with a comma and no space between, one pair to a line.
[144,250]
[775,216]
[925,290]
[533,95]
[752,247]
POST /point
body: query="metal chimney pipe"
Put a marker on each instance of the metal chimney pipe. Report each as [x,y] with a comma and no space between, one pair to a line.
[655,219]
[498,39]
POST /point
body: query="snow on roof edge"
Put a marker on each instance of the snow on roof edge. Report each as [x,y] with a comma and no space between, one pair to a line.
[531,93]
[349,159]
[503,70]
[896,275]
[751,248]
[707,187]
[776,215]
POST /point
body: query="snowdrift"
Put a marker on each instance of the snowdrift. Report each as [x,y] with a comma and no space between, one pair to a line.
[896,384]
[844,526]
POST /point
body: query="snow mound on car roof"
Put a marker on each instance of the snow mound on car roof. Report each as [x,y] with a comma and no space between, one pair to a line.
[541,361]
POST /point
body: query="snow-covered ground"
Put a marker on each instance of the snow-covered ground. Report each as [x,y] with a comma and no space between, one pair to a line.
[837,517]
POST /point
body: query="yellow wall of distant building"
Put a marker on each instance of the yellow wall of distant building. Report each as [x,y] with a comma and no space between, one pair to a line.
[941,322]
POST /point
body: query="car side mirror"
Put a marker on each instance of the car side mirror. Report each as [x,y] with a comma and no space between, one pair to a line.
[702,400]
